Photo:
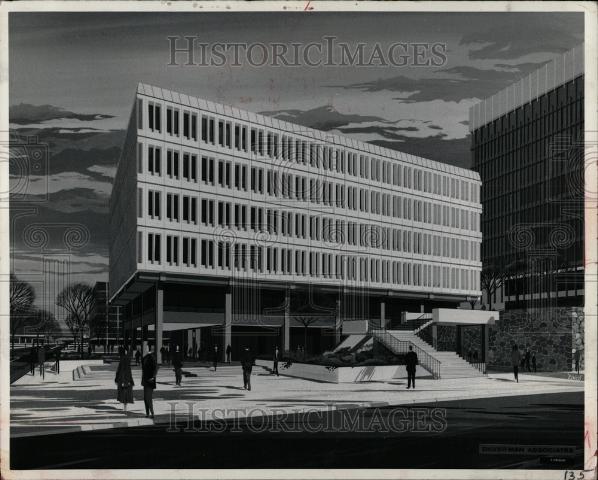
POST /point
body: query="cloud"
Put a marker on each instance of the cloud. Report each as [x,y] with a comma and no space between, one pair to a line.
[321,118]
[25,113]
[450,84]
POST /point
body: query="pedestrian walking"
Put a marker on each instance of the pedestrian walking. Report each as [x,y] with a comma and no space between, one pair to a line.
[124,379]
[276,359]
[177,363]
[247,362]
[163,354]
[528,357]
[215,357]
[137,356]
[32,359]
[229,350]
[577,357]
[41,360]
[149,369]
[534,362]
[515,361]
[57,364]
[411,361]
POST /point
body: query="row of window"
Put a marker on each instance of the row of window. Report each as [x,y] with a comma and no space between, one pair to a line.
[227,256]
[270,144]
[386,205]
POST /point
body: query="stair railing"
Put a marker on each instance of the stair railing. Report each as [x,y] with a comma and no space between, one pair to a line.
[401,347]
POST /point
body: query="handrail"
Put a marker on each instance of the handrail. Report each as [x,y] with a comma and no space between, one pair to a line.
[421,327]
[426,360]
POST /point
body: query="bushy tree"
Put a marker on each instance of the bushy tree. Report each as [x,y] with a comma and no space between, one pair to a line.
[22,297]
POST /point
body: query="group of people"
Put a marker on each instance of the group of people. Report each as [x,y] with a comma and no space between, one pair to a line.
[37,357]
[149,369]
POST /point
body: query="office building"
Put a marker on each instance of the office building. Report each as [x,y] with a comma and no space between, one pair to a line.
[229,226]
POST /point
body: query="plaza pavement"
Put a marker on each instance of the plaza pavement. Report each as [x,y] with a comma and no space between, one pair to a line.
[59,404]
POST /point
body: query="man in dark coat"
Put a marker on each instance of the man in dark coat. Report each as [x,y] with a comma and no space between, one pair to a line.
[149,369]
[528,357]
[41,359]
[177,363]
[411,361]
[32,359]
[276,359]
[247,362]
[576,359]
[229,350]
[57,356]
[515,361]
[215,357]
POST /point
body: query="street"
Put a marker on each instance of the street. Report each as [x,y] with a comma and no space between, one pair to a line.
[453,442]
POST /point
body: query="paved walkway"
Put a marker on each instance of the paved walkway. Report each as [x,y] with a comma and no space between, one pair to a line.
[59,404]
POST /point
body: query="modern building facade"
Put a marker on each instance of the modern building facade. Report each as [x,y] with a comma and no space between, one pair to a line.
[227,225]
[527,145]
[106,331]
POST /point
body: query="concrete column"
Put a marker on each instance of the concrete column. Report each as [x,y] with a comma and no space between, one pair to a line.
[189,341]
[338,323]
[198,339]
[459,339]
[159,325]
[383,314]
[228,322]
[286,330]
[435,336]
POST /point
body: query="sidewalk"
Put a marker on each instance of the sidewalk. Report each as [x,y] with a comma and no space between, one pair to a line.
[58,404]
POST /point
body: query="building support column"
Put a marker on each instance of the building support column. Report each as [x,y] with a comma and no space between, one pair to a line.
[459,340]
[189,342]
[435,336]
[159,325]
[228,322]
[286,326]
[382,314]
[338,323]
[484,338]
[198,340]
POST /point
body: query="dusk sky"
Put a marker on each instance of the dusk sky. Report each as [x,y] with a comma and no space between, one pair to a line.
[73,77]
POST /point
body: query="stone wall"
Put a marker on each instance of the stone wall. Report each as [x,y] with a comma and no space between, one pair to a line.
[550,333]
[447,338]
[471,339]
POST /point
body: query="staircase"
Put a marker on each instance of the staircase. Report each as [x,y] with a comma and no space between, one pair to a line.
[452,365]
[351,342]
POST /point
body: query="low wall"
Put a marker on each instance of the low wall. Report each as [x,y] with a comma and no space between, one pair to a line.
[321,373]
[550,333]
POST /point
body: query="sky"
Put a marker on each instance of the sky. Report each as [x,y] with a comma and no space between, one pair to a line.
[73,78]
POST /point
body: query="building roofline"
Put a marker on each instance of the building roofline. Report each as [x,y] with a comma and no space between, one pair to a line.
[267,121]
[562,69]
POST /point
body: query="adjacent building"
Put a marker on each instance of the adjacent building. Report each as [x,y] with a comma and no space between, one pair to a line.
[527,145]
[229,227]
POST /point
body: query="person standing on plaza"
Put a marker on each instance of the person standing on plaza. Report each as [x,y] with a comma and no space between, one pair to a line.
[41,360]
[276,359]
[247,362]
[515,361]
[215,357]
[229,350]
[137,356]
[411,361]
[534,362]
[124,379]
[577,357]
[528,357]
[177,363]
[149,369]
[32,359]
[57,356]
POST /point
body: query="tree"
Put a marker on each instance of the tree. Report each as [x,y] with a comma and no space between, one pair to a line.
[22,297]
[491,280]
[306,321]
[44,323]
[78,301]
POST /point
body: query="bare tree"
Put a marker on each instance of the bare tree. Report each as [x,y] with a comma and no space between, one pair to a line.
[78,301]
[306,321]
[491,280]
[22,297]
